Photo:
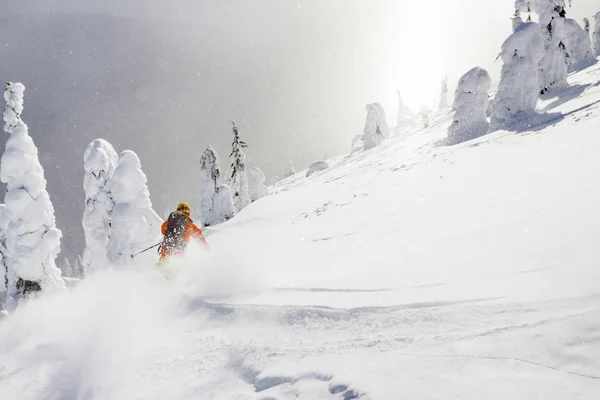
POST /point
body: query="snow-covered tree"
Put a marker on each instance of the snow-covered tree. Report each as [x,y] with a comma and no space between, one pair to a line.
[224,202]
[423,117]
[596,35]
[444,94]
[210,179]
[577,40]
[99,161]
[470,105]
[134,224]
[404,118]
[357,143]
[291,169]
[586,25]
[376,127]
[214,207]
[554,64]
[66,269]
[518,90]
[32,239]
[239,175]
[3,266]
[257,184]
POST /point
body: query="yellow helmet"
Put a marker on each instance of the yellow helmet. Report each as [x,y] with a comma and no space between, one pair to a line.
[184,208]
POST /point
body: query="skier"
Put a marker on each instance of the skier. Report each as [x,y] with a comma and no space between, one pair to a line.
[177,230]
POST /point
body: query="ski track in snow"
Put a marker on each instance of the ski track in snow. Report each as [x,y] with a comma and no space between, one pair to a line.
[384,276]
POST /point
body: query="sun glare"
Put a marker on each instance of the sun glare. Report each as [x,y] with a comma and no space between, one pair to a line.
[416,53]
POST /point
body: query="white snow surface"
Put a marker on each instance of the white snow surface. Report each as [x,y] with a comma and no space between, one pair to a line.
[414,270]
[100,161]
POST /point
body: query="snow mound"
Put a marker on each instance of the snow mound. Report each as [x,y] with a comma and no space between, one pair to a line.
[316,167]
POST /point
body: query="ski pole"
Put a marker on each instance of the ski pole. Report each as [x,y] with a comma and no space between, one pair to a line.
[143,251]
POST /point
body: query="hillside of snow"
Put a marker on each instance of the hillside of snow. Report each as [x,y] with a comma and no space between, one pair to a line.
[411,270]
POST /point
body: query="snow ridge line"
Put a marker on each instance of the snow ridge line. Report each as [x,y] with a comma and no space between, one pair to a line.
[501,358]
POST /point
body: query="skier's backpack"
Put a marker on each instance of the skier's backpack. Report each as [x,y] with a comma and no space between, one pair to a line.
[175,232]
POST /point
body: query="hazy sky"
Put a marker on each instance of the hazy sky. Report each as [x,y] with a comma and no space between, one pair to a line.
[165,79]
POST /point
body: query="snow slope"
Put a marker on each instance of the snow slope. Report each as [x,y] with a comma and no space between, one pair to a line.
[412,270]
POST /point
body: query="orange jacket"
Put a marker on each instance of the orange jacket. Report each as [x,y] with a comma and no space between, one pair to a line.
[191,231]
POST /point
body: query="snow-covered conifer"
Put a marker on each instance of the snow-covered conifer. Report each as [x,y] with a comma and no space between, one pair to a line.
[423,117]
[516,22]
[134,224]
[518,90]
[210,179]
[66,269]
[376,127]
[291,169]
[444,94]
[224,202]
[257,184]
[32,239]
[3,266]
[554,65]
[577,40]
[596,35]
[404,118]
[586,25]
[99,161]
[239,175]
[470,105]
